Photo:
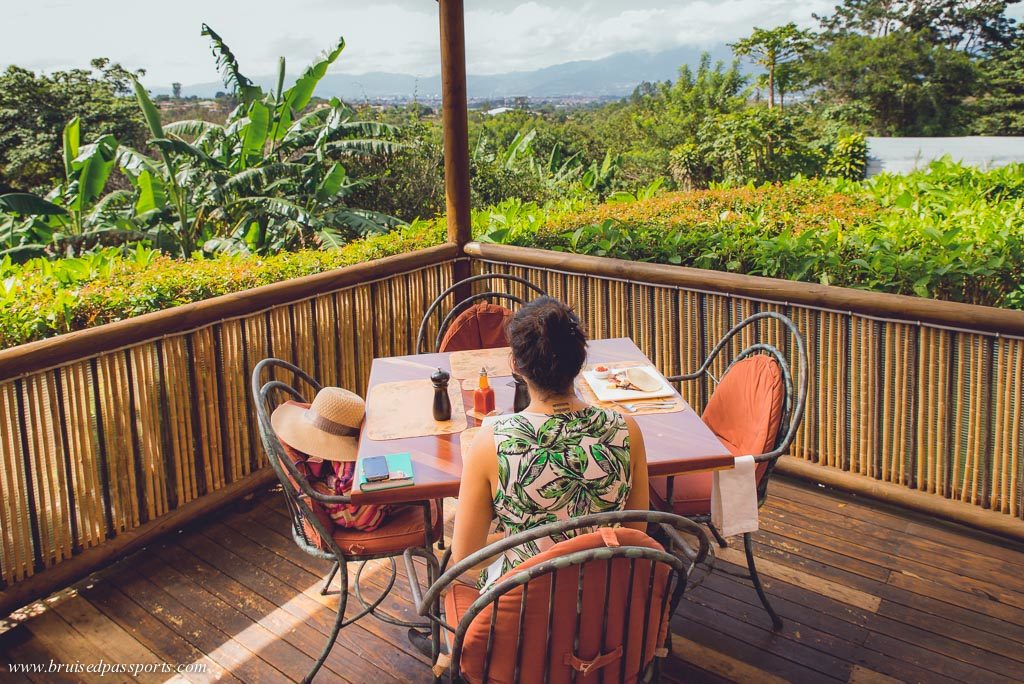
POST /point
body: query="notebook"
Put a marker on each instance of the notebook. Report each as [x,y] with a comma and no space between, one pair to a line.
[400,474]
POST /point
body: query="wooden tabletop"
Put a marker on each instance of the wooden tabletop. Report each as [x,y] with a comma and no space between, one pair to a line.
[677,443]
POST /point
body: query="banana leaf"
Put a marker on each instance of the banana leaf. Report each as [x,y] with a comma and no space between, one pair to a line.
[332,183]
[173,146]
[227,63]
[255,135]
[149,110]
[92,168]
[152,194]
[69,140]
[295,99]
[26,204]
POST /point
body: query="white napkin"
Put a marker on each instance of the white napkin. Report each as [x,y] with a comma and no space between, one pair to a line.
[734,498]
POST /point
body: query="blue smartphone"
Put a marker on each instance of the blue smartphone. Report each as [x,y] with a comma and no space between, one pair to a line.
[375,469]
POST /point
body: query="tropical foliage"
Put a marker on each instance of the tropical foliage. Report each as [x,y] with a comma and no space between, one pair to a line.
[272,177]
[34,109]
[755,166]
[45,297]
[949,232]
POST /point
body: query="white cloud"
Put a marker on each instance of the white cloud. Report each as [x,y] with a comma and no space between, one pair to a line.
[383,35]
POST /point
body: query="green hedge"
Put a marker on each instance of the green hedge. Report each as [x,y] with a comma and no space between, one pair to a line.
[948,232]
[45,298]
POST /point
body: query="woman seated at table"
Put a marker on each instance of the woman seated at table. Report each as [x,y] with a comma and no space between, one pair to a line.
[558,459]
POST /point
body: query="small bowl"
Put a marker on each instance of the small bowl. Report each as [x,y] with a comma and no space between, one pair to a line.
[602,374]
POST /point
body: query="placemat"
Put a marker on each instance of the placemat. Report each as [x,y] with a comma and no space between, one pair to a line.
[587,394]
[396,410]
[467,364]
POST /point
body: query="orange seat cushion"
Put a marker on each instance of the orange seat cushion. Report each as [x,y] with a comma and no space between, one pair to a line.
[404,528]
[481,326]
[745,413]
[608,607]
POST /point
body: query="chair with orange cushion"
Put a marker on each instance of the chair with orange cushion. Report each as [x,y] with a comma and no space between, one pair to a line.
[476,322]
[753,411]
[596,604]
[414,526]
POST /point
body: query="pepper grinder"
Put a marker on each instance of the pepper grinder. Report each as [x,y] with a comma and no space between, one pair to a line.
[442,403]
[522,398]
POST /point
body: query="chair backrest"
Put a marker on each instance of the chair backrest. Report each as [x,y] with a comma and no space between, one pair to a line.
[311,525]
[598,602]
[469,301]
[749,392]
[745,410]
[481,326]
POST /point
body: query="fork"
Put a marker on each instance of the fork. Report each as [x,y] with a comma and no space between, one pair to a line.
[633,408]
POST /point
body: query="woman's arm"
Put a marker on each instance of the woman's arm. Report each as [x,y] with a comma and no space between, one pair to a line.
[639,498]
[476,496]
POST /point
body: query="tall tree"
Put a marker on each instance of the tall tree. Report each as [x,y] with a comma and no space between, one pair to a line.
[999,107]
[674,112]
[974,26]
[35,108]
[772,48]
[910,85]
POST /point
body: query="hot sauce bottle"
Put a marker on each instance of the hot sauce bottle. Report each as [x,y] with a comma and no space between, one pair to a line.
[483,397]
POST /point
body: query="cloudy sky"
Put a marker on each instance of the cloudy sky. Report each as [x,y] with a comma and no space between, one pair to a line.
[382,35]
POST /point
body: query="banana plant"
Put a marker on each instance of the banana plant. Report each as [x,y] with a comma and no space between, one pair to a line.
[270,178]
[76,214]
[301,201]
[598,178]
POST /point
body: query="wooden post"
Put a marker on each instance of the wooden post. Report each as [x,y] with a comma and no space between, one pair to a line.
[455,115]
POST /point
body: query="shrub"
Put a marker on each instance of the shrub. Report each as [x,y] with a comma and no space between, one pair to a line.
[948,232]
[44,298]
[849,158]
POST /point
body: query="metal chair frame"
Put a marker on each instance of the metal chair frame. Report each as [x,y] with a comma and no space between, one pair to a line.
[467,302]
[429,603]
[300,511]
[792,415]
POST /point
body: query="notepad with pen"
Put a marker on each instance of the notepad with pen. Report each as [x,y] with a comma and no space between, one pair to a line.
[399,474]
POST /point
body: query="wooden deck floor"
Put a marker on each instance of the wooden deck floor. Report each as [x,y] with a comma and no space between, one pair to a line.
[868,594]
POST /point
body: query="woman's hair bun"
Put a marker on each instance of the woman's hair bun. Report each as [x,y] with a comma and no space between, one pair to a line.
[548,344]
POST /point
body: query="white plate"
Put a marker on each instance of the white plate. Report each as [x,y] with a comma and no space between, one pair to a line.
[605,392]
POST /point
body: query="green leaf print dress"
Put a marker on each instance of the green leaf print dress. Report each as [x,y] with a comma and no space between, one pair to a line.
[556,467]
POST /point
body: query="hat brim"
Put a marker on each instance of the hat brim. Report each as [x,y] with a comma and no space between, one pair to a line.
[293,428]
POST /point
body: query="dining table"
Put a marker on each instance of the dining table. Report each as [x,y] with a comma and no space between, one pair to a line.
[677,443]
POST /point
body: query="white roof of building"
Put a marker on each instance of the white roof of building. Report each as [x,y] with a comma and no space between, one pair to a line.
[903,155]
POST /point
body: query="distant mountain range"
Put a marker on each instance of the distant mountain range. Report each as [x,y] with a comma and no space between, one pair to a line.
[613,76]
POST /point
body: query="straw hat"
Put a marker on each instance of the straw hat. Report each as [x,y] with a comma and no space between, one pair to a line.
[328,429]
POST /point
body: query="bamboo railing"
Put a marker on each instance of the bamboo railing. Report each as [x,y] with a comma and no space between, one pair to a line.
[114,434]
[918,393]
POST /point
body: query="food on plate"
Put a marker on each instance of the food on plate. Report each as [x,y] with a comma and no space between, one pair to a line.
[601,371]
[636,379]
